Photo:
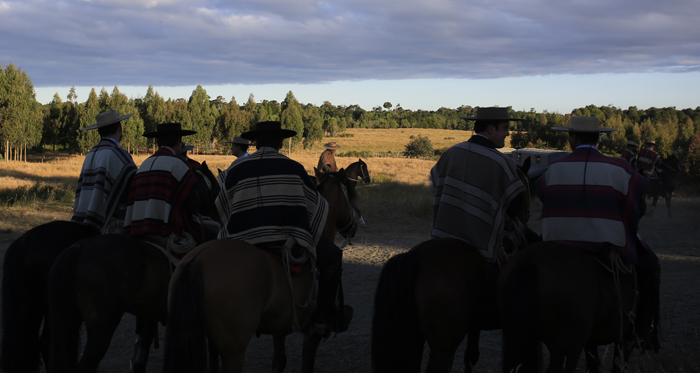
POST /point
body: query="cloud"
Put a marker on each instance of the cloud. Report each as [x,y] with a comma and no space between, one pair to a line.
[177,42]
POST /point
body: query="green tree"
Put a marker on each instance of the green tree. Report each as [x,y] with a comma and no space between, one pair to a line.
[313,126]
[231,122]
[291,118]
[202,118]
[21,116]
[86,117]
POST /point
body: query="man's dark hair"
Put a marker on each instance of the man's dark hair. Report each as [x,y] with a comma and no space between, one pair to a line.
[243,147]
[109,130]
[168,140]
[586,138]
[273,142]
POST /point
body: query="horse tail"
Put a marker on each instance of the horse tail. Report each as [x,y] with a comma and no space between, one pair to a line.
[397,345]
[519,315]
[64,314]
[20,344]
[185,337]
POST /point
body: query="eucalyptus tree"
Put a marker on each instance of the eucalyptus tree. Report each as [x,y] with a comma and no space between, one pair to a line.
[291,118]
[313,126]
[21,116]
[202,116]
[86,113]
[231,122]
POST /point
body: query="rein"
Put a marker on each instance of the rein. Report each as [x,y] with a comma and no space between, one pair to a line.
[288,258]
[346,230]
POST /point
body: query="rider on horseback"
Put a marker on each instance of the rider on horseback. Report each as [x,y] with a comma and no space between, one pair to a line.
[163,200]
[268,200]
[630,153]
[103,186]
[649,161]
[326,163]
[477,186]
[595,202]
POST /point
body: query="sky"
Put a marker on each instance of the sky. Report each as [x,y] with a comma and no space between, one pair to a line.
[553,55]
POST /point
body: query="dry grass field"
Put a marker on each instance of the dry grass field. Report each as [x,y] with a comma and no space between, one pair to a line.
[397,211]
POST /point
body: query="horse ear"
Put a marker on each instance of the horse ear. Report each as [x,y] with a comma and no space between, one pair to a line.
[316,173]
[341,174]
[526,166]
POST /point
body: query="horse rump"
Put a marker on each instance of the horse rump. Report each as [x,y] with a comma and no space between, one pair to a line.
[397,345]
[185,336]
[517,296]
[64,314]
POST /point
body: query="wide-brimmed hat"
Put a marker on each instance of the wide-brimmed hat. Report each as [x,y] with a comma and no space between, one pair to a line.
[238,140]
[651,142]
[169,129]
[271,129]
[331,145]
[492,114]
[107,118]
[584,124]
[632,143]
[186,148]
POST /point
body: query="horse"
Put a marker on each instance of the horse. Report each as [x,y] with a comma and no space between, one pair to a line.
[333,186]
[357,171]
[98,279]
[439,291]
[568,299]
[25,291]
[664,185]
[226,291]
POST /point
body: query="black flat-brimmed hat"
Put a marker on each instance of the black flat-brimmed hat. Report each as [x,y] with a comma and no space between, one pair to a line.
[270,129]
[169,129]
[107,118]
[584,124]
[186,148]
[492,114]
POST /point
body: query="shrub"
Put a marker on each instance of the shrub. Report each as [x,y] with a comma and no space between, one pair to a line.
[419,147]
[39,192]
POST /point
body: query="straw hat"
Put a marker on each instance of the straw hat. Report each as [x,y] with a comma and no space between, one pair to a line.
[169,129]
[331,145]
[271,128]
[584,124]
[107,118]
[492,114]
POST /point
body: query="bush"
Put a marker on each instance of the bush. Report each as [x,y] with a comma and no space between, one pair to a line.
[419,147]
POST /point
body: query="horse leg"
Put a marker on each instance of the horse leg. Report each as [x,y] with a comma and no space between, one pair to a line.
[308,355]
[563,361]
[214,366]
[359,213]
[592,359]
[440,360]
[279,360]
[668,205]
[471,354]
[146,331]
[99,336]
[653,205]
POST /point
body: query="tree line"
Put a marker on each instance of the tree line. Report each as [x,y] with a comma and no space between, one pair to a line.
[26,124]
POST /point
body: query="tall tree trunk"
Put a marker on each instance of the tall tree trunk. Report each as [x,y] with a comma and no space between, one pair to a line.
[25,152]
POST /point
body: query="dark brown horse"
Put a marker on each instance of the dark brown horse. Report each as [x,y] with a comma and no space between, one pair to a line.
[97,280]
[355,172]
[25,290]
[229,290]
[438,292]
[569,300]
[333,187]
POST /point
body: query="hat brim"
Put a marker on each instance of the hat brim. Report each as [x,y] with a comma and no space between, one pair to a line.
[600,129]
[331,147]
[283,134]
[98,125]
[169,133]
[494,119]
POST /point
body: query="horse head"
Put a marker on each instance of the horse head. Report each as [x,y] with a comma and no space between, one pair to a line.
[364,171]
[208,189]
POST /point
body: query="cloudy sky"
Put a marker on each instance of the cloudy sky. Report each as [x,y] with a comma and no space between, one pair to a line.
[552,55]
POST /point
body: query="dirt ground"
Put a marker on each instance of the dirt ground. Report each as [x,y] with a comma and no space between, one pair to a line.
[676,242]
